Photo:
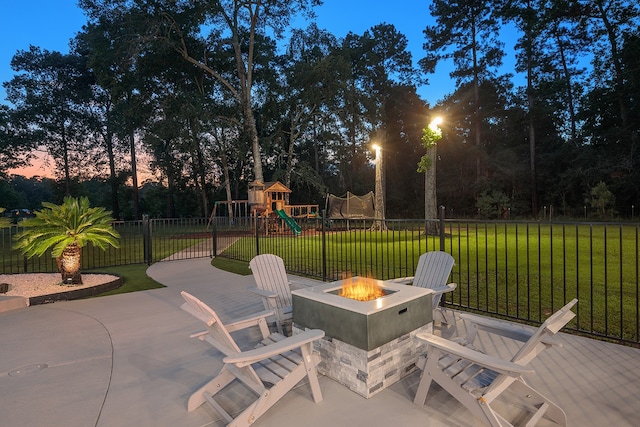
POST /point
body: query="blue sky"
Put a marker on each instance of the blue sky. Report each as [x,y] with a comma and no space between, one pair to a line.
[45,23]
[50,24]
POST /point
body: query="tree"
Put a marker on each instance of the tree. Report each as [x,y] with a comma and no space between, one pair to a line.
[466,31]
[294,103]
[405,116]
[65,229]
[50,93]
[550,46]
[610,109]
[110,113]
[601,198]
[492,204]
[351,129]
[215,25]
[386,73]
[502,150]
[15,150]
[376,72]
[567,44]
[610,20]
[4,221]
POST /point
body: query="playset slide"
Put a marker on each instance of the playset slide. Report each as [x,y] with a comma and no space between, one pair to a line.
[293,225]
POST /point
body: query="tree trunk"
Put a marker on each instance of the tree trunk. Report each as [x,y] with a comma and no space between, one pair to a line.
[69,265]
[532,130]
[134,167]
[250,128]
[65,163]
[430,200]
[569,86]
[113,177]
[201,176]
[617,66]
[477,121]
[379,223]
[293,135]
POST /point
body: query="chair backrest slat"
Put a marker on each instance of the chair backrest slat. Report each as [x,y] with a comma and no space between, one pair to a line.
[270,274]
[550,327]
[433,271]
[222,340]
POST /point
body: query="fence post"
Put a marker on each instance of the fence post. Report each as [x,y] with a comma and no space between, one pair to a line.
[257,228]
[324,247]
[146,240]
[441,227]
[214,236]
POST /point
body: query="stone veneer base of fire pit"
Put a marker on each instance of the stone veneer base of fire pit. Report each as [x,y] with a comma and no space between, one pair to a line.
[369,372]
[368,345]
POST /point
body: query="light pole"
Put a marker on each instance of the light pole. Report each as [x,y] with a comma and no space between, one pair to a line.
[430,137]
[379,224]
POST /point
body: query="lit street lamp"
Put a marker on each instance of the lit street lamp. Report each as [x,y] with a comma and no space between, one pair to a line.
[434,126]
[379,224]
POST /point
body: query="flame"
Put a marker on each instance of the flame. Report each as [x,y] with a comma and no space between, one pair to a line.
[361,288]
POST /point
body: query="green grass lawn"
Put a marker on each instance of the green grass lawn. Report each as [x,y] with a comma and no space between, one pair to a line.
[134,276]
[231,265]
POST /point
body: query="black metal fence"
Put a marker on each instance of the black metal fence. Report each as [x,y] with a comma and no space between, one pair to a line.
[517,270]
[512,269]
[146,241]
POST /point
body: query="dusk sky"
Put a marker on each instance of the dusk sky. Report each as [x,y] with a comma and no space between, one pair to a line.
[50,24]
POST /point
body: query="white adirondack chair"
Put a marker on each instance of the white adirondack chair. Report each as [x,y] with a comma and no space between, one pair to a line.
[270,370]
[273,287]
[476,379]
[432,272]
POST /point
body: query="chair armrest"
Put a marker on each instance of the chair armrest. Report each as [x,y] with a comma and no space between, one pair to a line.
[499,365]
[498,327]
[246,358]
[287,310]
[297,282]
[263,293]
[248,321]
[443,289]
[403,280]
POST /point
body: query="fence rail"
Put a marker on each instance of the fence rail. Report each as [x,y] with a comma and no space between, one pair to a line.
[512,269]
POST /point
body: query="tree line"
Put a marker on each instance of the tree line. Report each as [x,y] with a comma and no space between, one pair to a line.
[216,94]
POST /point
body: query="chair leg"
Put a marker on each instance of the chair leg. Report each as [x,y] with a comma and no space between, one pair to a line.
[443,314]
[310,362]
[432,372]
[270,397]
[212,387]
[279,327]
[492,417]
[545,408]
[425,378]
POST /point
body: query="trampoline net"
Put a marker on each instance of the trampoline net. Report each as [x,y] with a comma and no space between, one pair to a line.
[351,206]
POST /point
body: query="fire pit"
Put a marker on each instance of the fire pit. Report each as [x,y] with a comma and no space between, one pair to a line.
[370,344]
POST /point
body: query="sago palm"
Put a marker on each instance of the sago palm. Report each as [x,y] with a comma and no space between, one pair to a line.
[66,229]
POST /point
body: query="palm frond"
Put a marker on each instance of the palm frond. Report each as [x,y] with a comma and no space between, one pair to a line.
[57,227]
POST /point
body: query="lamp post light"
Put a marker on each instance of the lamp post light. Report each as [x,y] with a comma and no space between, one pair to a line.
[430,137]
[379,224]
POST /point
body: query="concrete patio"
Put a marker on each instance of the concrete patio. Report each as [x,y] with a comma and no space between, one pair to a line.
[127,360]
